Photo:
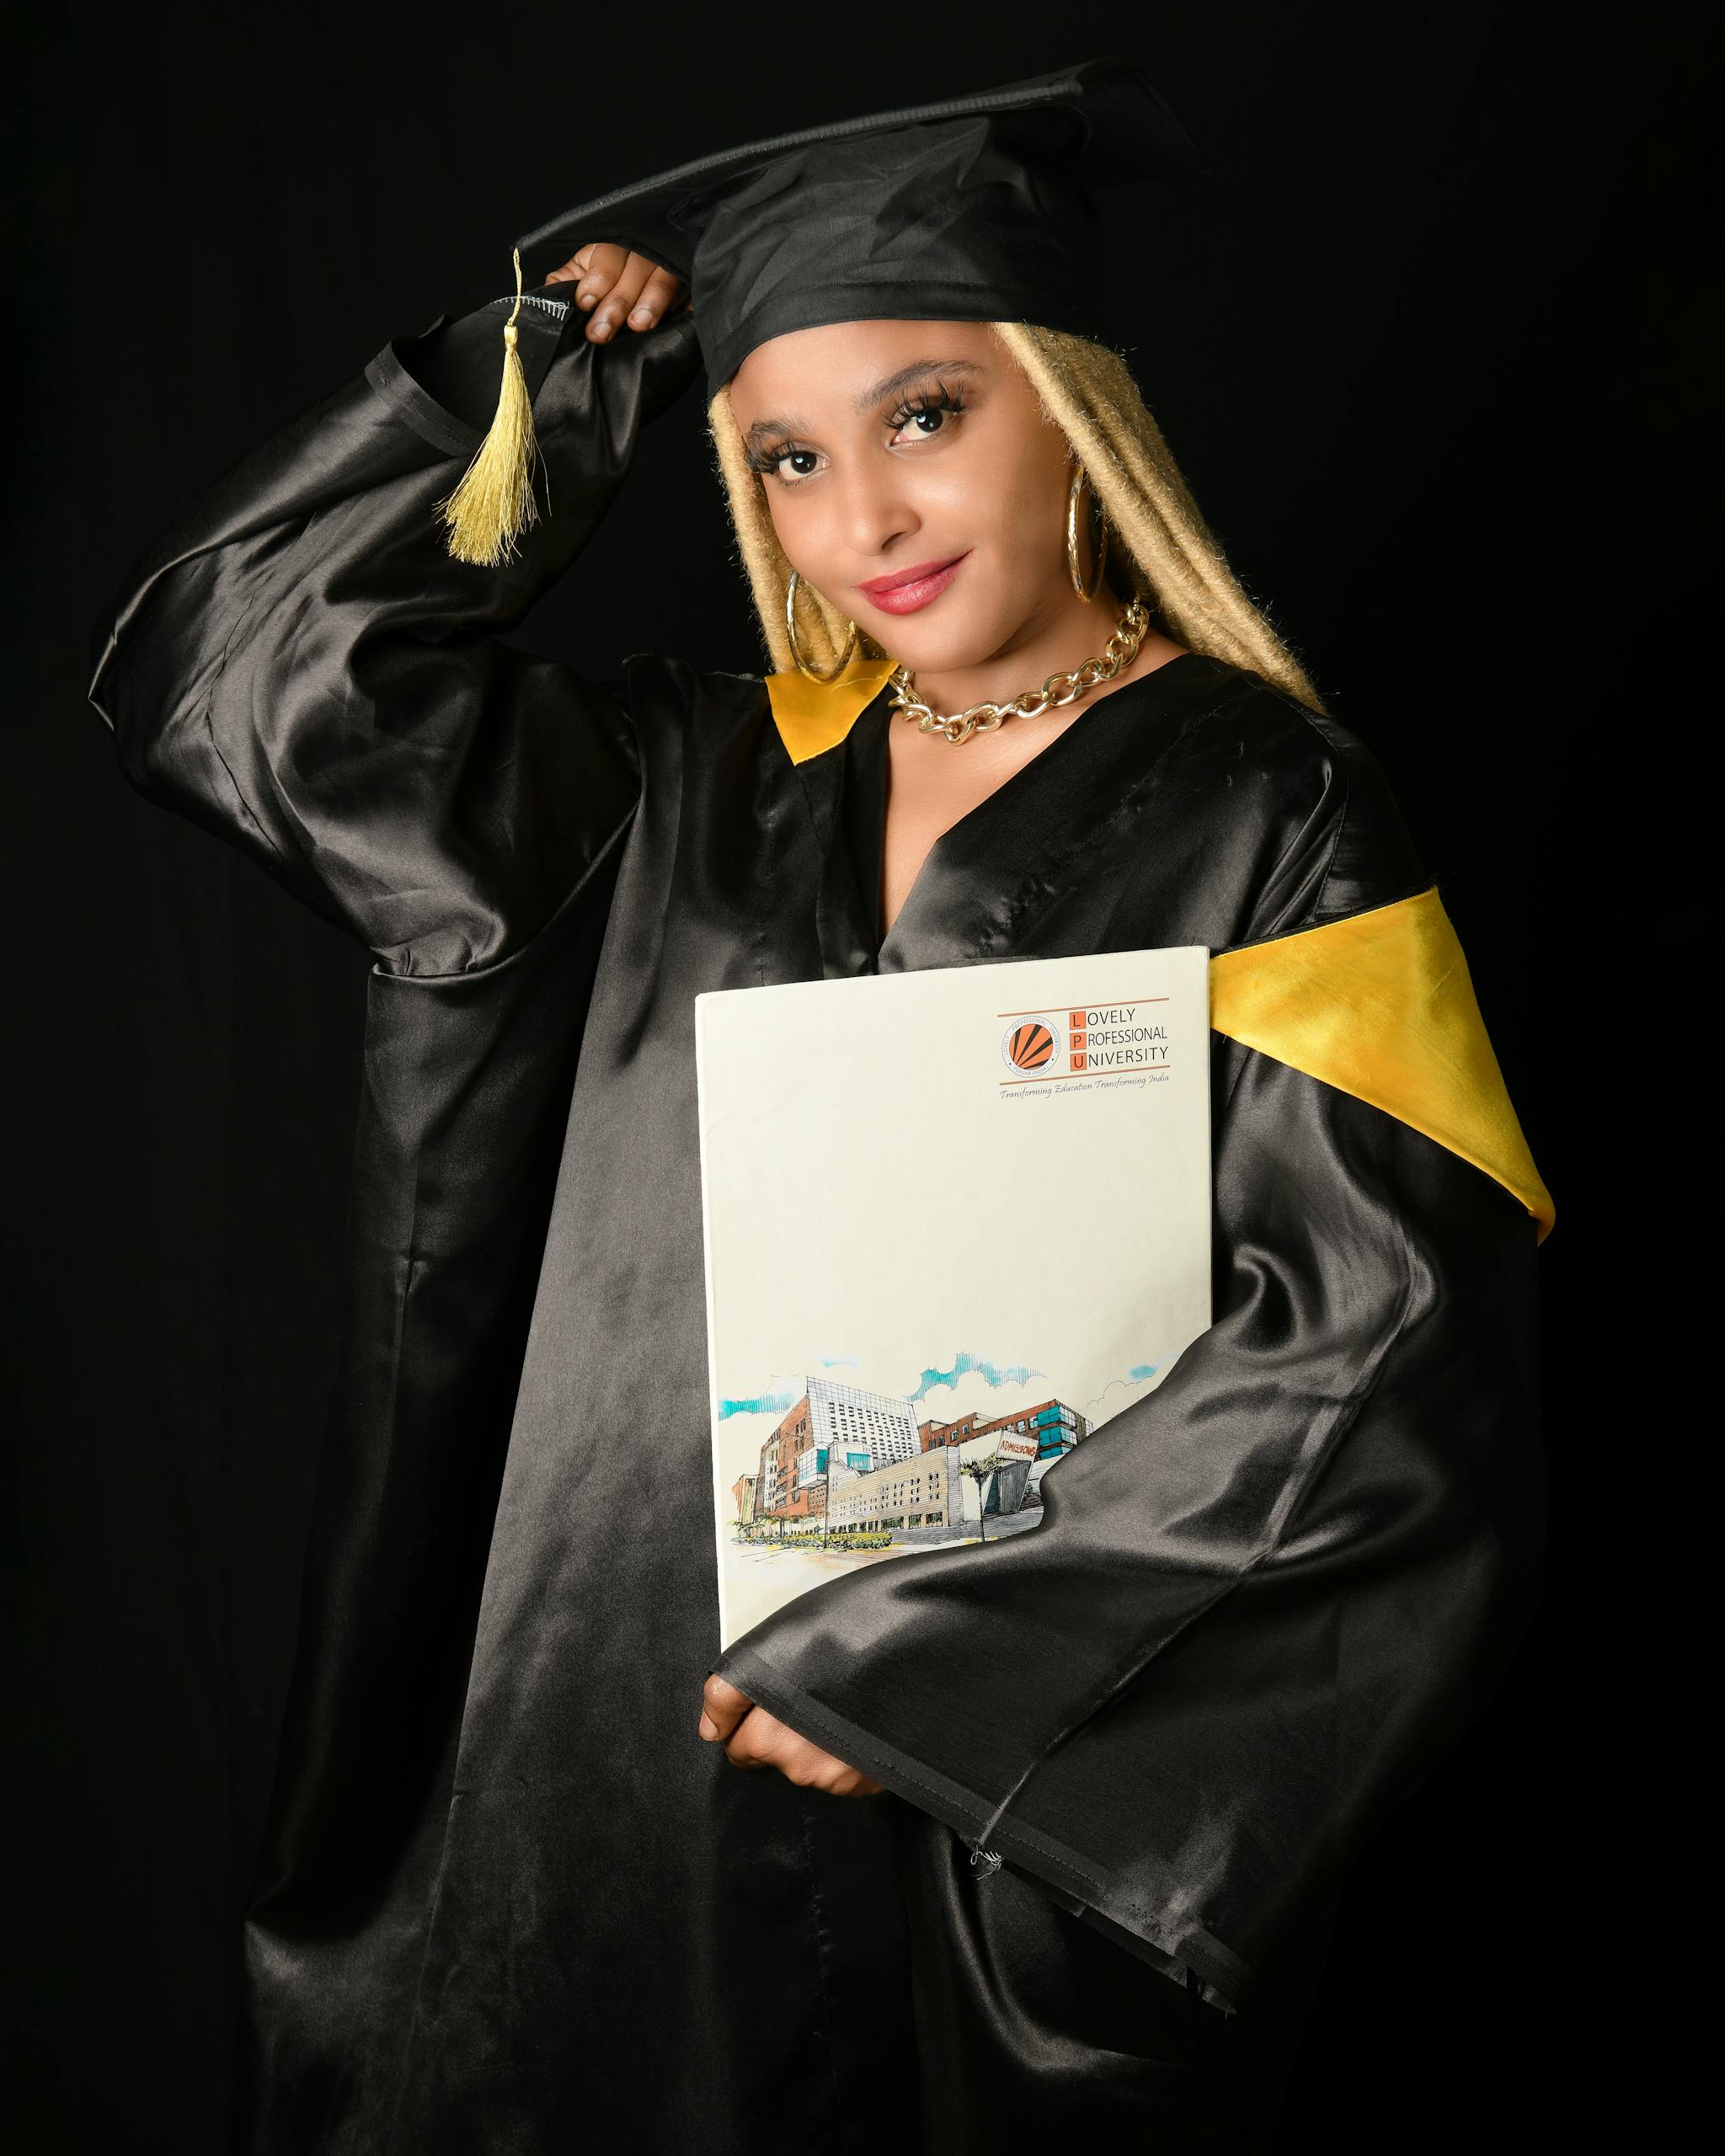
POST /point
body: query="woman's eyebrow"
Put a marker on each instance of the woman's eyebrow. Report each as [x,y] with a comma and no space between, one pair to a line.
[766,430]
[905,375]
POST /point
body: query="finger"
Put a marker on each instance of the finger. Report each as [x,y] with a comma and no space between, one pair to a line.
[656,295]
[761,1740]
[821,1770]
[741,1748]
[723,1706]
[609,316]
[576,268]
[601,262]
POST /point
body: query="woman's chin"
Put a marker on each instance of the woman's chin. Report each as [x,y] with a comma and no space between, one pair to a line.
[935,647]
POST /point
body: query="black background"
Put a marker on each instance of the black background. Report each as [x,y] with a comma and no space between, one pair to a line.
[1405,345]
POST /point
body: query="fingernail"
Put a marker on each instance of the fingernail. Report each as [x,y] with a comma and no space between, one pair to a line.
[709,1727]
[599,330]
[584,298]
[642,316]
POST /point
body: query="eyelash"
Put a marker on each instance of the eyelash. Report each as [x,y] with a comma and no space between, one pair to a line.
[944,400]
[765,461]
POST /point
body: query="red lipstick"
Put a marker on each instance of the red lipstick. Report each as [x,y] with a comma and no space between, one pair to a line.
[910,590]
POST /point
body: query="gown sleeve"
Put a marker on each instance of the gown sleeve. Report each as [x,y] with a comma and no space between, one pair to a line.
[1263,1597]
[300,666]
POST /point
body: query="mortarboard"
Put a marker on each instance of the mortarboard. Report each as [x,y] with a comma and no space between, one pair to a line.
[971,208]
[974,208]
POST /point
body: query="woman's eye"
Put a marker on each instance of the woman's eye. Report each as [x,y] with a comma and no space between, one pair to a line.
[926,417]
[796,464]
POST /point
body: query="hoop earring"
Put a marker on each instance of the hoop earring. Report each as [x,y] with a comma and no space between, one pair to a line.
[1100,539]
[803,666]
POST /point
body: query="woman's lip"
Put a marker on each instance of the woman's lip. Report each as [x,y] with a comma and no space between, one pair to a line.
[912,588]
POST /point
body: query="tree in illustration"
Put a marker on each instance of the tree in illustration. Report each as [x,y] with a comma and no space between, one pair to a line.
[978,1470]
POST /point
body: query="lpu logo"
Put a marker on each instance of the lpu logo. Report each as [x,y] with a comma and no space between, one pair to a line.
[1103,1038]
[1031,1047]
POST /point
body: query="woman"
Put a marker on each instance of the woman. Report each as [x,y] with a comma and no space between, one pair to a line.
[1105,1779]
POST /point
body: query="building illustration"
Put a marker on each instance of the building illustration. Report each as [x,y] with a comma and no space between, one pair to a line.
[928,1492]
[1042,1433]
[846,1460]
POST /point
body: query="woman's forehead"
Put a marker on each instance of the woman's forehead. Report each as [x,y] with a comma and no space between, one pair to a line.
[844,364]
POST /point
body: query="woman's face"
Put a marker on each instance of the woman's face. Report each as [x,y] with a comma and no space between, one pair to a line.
[889,447]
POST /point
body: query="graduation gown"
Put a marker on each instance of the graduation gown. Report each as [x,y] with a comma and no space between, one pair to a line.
[508,1898]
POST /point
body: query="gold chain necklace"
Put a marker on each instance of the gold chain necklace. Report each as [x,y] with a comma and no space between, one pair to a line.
[1059,689]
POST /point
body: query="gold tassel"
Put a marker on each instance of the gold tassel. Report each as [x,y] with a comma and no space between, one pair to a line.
[494,504]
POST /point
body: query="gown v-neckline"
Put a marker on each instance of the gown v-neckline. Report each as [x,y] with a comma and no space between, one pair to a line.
[998,821]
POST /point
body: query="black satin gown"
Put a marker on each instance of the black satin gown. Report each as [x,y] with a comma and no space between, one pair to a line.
[508,1901]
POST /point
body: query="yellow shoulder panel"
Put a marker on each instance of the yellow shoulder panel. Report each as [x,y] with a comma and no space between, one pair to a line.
[1382,1006]
[811,717]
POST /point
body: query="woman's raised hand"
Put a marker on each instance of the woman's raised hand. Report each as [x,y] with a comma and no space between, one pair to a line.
[618,286]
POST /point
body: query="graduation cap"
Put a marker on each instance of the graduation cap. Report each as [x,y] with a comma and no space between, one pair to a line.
[976,208]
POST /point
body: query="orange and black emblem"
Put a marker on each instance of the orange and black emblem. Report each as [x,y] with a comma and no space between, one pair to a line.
[1030,1047]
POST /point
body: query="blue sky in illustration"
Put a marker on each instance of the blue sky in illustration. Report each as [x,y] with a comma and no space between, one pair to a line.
[965,1365]
[1139,1373]
[784,1393]
[778,1402]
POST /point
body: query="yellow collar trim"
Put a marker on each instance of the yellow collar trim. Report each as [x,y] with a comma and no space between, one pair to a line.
[1382,1006]
[812,717]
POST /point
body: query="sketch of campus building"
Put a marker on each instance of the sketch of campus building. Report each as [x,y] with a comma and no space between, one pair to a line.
[846,1460]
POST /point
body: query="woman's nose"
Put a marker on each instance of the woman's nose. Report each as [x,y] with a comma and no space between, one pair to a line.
[875,512]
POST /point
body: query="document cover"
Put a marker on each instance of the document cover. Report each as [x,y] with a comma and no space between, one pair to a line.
[954,1220]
